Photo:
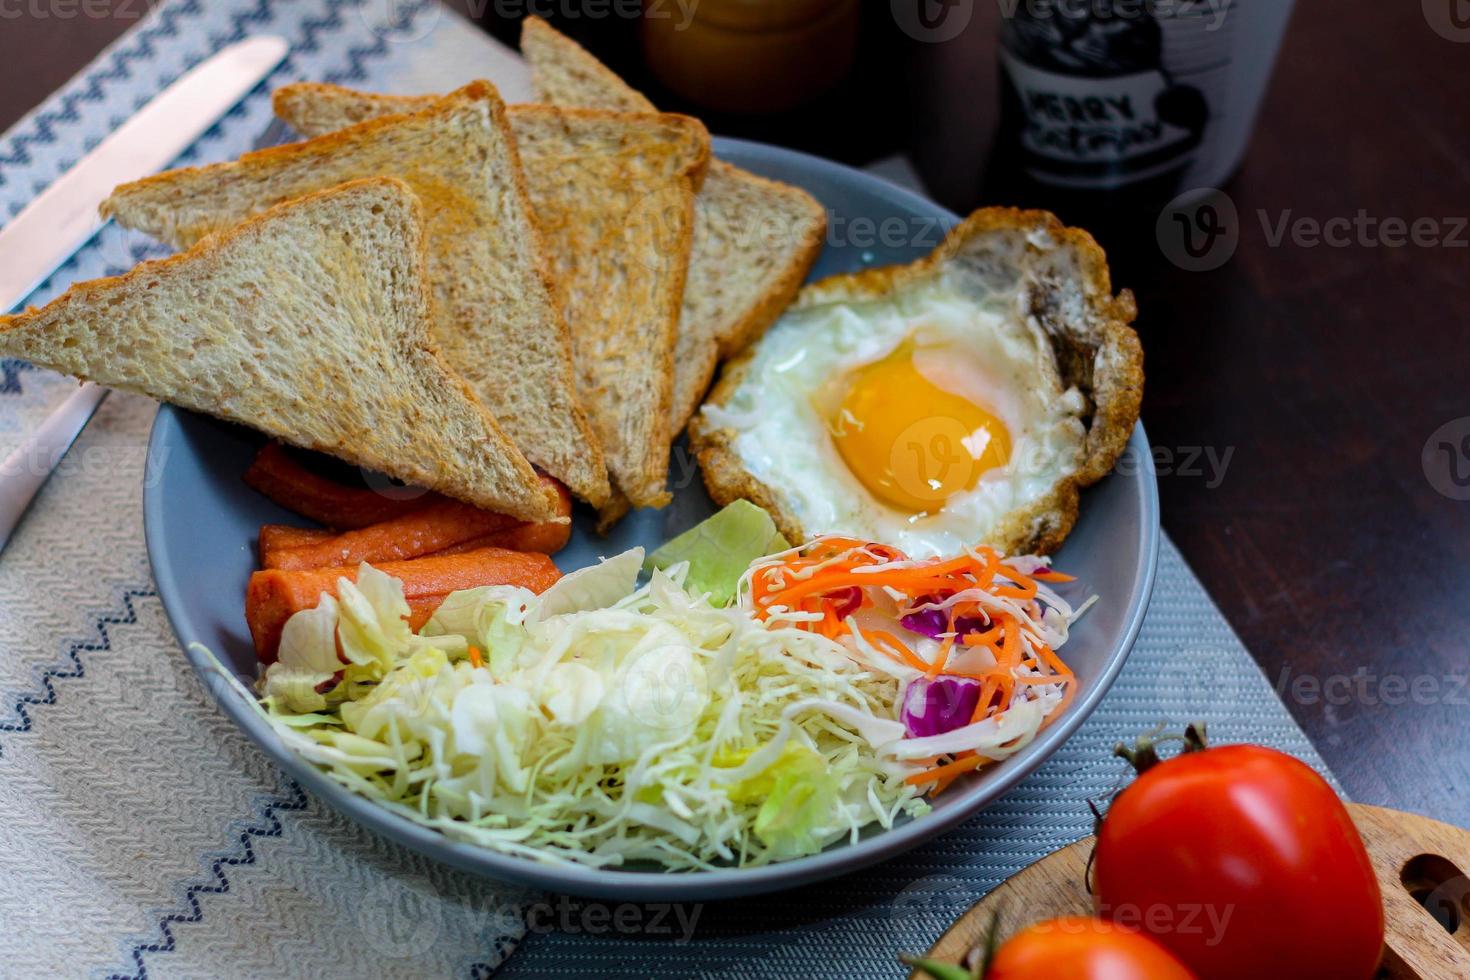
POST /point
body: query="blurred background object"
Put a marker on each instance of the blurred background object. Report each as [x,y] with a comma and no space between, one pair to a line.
[753,56]
[824,76]
[1115,103]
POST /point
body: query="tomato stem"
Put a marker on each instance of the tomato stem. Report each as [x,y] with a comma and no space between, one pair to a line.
[1194,737]
[980,965]
[935,969]
[1097,825]
[1143,755]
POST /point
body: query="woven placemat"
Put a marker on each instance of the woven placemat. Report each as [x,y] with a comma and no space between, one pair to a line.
[141,834]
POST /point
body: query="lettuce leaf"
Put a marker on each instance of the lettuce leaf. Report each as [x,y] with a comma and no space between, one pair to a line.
[720,548]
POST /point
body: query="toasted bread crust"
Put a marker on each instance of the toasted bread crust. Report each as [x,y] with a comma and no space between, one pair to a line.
[639,471]
[1070,291]
[809,226]
[626,365]
[312,423]
[736,289]
[542,45]
[483,338]
[709,333]
[318,108]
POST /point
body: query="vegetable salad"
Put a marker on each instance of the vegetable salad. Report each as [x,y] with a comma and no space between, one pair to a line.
[603,722]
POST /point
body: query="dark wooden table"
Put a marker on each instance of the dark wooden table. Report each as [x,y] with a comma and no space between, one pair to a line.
[1322,370]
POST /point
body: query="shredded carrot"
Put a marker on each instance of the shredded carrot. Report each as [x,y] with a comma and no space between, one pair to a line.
[1022,590]
[819,581]
[476,660]
[946,772]
[894,647]
[941,661]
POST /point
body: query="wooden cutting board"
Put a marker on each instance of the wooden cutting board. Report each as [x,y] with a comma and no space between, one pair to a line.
[1419,861]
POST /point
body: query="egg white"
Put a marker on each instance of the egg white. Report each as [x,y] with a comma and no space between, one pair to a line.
[1000,359]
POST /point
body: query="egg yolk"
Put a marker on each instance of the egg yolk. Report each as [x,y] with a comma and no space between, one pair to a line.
[911,443]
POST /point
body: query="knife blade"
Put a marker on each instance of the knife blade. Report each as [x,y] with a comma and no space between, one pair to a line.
[63,217]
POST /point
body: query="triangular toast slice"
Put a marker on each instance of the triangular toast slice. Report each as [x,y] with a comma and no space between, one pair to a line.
[496,318]
[614,195]
[310,323]
[754,239]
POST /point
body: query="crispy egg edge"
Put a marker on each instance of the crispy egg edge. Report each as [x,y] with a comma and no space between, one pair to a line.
[1098,352]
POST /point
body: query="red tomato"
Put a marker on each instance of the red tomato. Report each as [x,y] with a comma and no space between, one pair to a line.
[1081,948]
[1244,863]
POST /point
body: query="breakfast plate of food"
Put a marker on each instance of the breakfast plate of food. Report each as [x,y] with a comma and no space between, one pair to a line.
[591,504]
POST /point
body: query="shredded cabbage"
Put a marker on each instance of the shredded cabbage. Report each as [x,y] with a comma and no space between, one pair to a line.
[603,725]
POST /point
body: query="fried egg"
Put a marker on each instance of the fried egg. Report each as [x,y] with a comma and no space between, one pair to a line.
[922,419]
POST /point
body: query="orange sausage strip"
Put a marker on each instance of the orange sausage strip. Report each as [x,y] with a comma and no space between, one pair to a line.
[281,537]
[281,478]
[546,538]
[275,595]
[442,526]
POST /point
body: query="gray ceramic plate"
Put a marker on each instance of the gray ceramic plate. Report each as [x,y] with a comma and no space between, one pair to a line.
[202,522]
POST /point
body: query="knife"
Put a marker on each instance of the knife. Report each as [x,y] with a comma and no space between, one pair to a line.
[63,218]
